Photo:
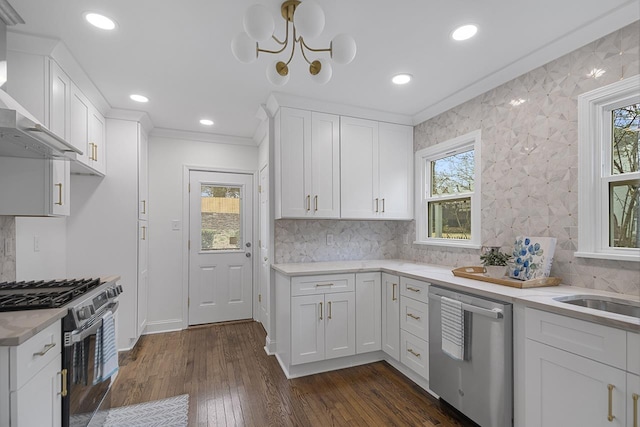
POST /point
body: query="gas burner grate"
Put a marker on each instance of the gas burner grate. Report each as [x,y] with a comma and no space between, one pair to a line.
[43,294]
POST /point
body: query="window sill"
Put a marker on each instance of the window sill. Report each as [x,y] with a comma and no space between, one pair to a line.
[465,245]
[608,255]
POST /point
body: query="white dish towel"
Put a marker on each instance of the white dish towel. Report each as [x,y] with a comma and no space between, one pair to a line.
[452,325]
[106,355]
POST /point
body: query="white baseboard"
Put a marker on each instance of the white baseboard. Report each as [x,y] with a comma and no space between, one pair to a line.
[270,346]
[296,371]
[158,327]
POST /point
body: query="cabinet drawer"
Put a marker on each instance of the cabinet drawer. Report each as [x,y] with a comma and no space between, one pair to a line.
[414,317]
[416,289]
[325,284]
[633,353]
[601,343]
[34,354]
[414,353]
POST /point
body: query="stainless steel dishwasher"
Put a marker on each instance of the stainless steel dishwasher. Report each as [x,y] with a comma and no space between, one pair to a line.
[477,379]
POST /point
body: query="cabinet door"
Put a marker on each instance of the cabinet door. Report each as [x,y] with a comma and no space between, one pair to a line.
[324,163]
[633,400]
[97,139]
[340,325]
[59,95]
[359,159]
[564,389]
[368,312]
[295,143]
[60,194]
[38,402]
[143,275]
[307,329]
[391,315]
[396,171]
[143,175]
[79,123]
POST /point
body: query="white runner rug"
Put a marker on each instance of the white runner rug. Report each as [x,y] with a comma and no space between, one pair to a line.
[171,412]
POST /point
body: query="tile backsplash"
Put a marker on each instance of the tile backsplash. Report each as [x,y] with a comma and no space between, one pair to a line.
[7,241]
[529,173]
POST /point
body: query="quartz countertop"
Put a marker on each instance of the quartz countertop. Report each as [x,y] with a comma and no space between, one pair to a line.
[18,326]
[539,298]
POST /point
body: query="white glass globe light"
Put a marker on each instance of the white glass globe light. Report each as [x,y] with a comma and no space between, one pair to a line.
[274,77]
[258,22]
[325,72]
[343,49]
[244,48]
[308,19]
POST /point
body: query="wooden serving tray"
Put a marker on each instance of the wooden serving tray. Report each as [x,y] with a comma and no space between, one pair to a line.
[477,273]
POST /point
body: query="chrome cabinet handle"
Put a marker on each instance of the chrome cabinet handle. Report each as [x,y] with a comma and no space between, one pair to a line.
[611,417]
[315,203]
[634,397]
[413,316]
[393,292]
[308,202]
[45,349]
[321,311]
[409,288]
[59,202]
[64,392]
[413,352]
[382,205]
[376,204]
[323,284]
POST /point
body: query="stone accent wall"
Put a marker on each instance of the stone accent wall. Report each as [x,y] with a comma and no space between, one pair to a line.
[7,260]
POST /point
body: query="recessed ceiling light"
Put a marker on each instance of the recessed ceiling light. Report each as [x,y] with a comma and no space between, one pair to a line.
[464,32]
[401,79]
[100,21]
[139,98]
[206,122]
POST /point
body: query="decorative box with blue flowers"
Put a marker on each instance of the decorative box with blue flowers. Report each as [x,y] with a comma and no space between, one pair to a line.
[532,257]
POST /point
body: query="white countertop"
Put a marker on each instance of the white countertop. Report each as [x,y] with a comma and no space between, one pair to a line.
[540,298]
[18,326]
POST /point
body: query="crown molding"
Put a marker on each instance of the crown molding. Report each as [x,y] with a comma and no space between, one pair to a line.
[132,115]
[201,137]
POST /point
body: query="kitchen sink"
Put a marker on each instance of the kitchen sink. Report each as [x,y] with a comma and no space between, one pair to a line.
[611,305]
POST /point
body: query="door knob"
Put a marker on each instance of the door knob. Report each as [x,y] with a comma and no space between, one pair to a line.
[266,259]
[248,255]
[248,244]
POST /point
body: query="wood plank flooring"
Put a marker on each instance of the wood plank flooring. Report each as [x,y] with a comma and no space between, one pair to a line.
[231,381]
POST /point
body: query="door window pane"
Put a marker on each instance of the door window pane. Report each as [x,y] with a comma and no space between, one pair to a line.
[624,198]
[450,219]
[220,214]
[625,136]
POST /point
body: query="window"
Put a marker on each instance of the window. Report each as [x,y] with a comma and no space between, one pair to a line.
[220,217]
[609,177]
[448,199]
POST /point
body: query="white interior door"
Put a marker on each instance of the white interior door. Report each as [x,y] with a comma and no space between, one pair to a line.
[220,240]
[265,262]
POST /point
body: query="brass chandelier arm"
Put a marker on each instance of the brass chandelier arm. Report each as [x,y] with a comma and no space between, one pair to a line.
[293,49]
[284,43]
[312,49]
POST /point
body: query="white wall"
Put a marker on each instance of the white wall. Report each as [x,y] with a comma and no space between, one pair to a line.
[47,260]
[167,158]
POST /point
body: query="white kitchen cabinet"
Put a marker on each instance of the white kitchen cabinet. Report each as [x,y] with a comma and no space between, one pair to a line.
[414,325]
[79,123]
[59,100]
[322,327]
[368,312]
[633,400]
[87,133]
[143,275]
[577,372]
[564,389]
[31,381]
[376,164]
[307,164]
[391,315]
[38,187]
[97,141]
[414,353]
[143,175]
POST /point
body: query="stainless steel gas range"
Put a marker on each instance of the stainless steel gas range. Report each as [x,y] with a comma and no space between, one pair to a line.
[89,302]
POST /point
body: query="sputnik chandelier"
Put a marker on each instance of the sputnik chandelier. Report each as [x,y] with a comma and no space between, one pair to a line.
[307,20]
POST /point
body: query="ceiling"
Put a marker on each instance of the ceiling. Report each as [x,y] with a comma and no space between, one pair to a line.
[178,53]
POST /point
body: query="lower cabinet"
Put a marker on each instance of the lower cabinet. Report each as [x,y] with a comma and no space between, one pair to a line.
[414,325]
[391,315]
[368,312]
[414,353]
[31,381]
[322,327]
[564,389]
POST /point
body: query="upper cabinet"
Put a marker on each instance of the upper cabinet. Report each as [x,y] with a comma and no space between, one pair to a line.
[143,175]
[330,166]
[307,164]
[376,170]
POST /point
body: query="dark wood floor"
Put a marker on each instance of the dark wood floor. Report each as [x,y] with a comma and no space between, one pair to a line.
[231,381]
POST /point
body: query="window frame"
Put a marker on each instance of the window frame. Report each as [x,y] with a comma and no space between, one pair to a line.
[423,159]
[594,168]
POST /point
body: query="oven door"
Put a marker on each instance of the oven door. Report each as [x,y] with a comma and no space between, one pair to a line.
[84,395]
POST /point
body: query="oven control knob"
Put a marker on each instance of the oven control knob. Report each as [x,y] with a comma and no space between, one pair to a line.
[119,288]
[84,313]
[112,292]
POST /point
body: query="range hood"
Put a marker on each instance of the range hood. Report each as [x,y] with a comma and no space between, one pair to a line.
[21,134]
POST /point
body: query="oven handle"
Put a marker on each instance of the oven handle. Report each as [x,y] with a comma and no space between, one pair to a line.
[80,334]
[494,313]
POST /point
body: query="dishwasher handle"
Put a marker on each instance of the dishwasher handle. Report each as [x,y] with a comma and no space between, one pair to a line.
[494,313]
